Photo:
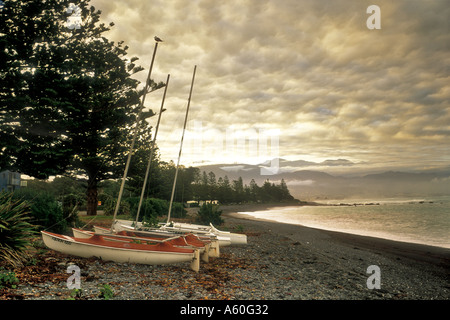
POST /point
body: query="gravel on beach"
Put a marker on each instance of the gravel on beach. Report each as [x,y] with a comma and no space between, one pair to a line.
[280,262]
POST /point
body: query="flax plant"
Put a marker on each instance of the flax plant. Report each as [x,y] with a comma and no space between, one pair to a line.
[15,231]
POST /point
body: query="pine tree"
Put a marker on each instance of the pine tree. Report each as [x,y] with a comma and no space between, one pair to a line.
[254,191]
[68,99]
[285,194]
[238,190]
[212,186]
[31,128]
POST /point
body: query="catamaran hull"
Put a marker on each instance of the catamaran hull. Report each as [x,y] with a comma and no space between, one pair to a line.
[214,248]
[224,238]
[236,239]
[83,234]
[71,246]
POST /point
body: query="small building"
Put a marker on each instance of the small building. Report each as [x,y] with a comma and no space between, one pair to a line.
[199,203]
[208,202]
[191,203]
[10,181]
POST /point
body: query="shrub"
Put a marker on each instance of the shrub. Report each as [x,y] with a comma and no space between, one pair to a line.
[150,222]
[178,210]
[106,292]
[15,230]
[161,206]
[75,294]
[153,208]
[147,211]
[8,279]
[209,213]
[70,214]
[109,205]
[45,210]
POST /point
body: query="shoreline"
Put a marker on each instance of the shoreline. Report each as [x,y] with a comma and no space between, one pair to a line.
[407,269]
[280,262]
[411,250]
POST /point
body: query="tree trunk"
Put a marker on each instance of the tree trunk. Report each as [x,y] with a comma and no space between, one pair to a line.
[92,200]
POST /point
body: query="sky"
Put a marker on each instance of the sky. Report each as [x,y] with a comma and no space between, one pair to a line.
[295,79]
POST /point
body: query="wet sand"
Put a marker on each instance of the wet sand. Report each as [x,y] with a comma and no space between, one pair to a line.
[323,238]
[408,270]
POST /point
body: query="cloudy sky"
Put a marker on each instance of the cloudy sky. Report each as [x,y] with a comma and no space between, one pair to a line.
[296,79]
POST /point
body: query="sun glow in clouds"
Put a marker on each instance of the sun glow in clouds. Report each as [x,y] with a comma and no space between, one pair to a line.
[316,70]
[232,145]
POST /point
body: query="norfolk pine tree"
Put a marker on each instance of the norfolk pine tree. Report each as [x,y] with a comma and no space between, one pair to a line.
[68,99]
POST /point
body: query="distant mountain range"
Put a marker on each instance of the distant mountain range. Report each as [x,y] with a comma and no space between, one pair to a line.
[308,180]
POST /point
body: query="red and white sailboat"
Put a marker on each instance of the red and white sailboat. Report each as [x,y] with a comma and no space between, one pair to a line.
[108,249]
[131,250]
[188,241]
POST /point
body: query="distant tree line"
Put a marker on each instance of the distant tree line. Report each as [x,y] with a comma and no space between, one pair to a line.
[207,187]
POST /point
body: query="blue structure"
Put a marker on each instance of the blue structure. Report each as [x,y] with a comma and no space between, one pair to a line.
[9,181]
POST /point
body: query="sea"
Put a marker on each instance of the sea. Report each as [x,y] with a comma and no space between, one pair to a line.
[423,221]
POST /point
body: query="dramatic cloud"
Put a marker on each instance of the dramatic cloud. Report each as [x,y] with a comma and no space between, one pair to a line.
[310,70]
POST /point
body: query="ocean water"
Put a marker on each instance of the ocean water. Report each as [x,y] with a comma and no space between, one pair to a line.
[424,221]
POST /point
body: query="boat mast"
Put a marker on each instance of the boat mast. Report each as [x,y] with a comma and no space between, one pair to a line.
[161,110]
[181,146]
[130,152]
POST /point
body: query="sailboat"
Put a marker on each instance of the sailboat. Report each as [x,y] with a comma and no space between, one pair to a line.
[228,238]
[215,240]
[237,239]
[106,247]
[188,241]
[225,238]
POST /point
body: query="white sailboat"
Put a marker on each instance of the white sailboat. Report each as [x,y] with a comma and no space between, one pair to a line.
[225,238]
[109,248]
[235,238]
[217,241]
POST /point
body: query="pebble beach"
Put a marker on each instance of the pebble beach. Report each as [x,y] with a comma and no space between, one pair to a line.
[280,262]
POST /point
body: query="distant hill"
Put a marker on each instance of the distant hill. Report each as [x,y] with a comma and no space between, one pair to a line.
[313,185]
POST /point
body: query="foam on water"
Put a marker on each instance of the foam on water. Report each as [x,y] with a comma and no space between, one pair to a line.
[424,221]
